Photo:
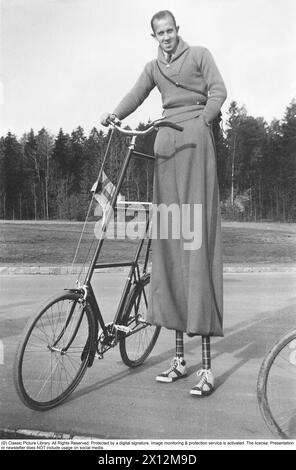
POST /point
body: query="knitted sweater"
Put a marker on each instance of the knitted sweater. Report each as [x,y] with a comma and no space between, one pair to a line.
[191,66]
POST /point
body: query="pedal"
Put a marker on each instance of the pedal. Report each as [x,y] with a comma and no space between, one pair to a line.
[123,328]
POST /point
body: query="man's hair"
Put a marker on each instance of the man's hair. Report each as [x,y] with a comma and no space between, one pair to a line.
[160,15]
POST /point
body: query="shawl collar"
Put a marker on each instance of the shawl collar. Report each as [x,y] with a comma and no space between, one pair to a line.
[182,47]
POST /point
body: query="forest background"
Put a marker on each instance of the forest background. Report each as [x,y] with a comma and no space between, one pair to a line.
[49,177]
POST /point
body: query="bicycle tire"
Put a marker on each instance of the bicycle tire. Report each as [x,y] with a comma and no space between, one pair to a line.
[276,387]
[54,351]
[136,346]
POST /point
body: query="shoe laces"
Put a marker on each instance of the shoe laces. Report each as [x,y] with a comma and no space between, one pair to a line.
[174,364]
[204,373]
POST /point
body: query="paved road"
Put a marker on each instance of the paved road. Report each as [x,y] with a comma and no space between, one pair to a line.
[115,402]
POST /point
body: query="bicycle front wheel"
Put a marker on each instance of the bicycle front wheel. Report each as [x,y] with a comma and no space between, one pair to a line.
[137,344]
[53,352]
[276,387]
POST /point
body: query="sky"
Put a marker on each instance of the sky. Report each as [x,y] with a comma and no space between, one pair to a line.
[65,62]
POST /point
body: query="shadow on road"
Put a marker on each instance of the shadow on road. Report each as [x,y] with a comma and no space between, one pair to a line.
[247,340]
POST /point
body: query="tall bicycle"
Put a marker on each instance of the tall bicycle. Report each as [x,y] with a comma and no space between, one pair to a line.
[276,387]
[62,340]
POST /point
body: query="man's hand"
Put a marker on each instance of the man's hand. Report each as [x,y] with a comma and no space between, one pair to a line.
[106,118]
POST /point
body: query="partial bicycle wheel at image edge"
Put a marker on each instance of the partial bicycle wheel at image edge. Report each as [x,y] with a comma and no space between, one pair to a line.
[54,351]
[137,344]
[276,387]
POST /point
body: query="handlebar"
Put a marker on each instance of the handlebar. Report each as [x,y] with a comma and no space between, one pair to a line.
[154,125]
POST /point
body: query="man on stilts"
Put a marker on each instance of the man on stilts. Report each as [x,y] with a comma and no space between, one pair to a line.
[186,292]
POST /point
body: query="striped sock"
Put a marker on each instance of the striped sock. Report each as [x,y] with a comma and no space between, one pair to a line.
[179,344]
[206,352]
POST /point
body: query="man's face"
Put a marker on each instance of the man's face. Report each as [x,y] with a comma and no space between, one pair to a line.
[166,33]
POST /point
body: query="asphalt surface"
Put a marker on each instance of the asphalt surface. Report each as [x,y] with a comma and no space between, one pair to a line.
[114,402]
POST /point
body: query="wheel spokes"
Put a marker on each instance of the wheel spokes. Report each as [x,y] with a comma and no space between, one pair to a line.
[51,360]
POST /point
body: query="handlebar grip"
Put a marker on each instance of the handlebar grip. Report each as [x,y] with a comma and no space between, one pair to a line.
[170,124]
[117,121]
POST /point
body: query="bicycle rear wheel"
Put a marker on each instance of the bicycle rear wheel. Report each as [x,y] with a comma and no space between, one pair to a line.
[276,387]
[136,345]
[53,352]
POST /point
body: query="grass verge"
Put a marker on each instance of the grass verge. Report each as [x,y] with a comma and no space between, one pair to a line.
[53,243]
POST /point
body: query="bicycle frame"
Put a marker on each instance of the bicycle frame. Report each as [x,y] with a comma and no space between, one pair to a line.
[67,345]
[134,272]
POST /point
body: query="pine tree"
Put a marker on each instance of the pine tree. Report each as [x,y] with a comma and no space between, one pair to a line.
[62,159]
[288,162]
[12,162]
[32,175]
[78,140]
[2,180]
[44,147]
